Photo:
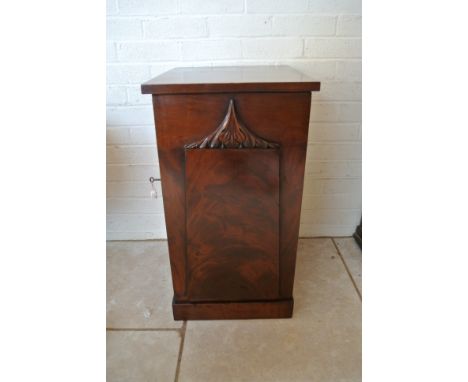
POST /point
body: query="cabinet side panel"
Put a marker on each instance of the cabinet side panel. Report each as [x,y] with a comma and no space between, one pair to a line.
[171,164]
[232,206]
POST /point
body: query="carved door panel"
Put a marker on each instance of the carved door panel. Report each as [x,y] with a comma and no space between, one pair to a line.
[232,222]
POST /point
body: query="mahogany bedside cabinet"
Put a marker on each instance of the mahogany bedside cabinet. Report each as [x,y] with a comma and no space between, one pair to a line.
[232,147]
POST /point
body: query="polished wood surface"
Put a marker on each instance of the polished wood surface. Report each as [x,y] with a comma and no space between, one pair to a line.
[233,134]
[232,170]
[232,224]
[229,79]
[234,310]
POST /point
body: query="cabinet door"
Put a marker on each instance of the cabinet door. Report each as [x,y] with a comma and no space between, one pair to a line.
[232,204]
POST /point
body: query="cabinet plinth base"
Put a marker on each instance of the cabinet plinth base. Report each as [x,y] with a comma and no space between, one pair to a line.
[232,310]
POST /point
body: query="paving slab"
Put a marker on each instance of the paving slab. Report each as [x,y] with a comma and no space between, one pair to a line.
[142,356]
[139,286]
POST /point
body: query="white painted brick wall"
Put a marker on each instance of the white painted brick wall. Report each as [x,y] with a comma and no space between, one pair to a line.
[333,47]
[211,6]
[272,48]
[146,7]
[304,25]
[171,27]
[348,25]
[211,49]
[276,6]
[239,25]
[318,37]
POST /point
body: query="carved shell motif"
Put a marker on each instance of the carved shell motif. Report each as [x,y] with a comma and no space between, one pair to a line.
[232,134]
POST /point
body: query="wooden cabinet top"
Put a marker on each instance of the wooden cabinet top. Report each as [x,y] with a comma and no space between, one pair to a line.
[224,79]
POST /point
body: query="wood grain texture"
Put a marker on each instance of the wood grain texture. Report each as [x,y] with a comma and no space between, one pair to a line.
[224,79]
[232,210]
[233,310]
[232,199]
[231,133]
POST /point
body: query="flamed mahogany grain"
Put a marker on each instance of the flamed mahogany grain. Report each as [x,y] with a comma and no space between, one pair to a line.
[232,199]
[232,148]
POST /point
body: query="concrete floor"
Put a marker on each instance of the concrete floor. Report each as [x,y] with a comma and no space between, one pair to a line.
[322,342]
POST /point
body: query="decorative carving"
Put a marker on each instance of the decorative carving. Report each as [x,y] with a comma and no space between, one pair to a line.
[232,134]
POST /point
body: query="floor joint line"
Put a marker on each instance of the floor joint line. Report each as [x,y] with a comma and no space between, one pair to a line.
[347,269]
[182,331]
[143,329]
